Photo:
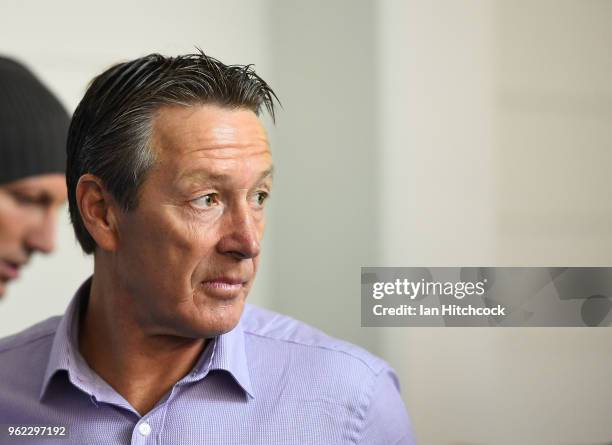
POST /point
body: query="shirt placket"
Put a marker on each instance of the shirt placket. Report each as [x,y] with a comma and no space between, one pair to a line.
[147,428]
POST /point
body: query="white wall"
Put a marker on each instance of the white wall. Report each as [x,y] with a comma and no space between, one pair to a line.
[323,217]
[495,123]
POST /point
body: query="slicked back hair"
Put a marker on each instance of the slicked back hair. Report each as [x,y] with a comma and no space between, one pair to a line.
[110,132]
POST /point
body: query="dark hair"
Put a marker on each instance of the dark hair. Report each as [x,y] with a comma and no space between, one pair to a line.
[111,128]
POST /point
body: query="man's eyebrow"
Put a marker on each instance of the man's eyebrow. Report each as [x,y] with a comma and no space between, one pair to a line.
[269,172]
[43,198]
[199,174]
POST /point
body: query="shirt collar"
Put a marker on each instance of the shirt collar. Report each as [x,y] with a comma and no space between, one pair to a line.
[63,354]
[227,352]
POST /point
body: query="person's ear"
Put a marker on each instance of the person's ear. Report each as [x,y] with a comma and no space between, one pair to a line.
[98,212]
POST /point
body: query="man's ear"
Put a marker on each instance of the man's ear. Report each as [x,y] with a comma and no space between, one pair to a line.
[98,211]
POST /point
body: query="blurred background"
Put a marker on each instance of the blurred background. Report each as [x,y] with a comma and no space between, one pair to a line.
[413,133]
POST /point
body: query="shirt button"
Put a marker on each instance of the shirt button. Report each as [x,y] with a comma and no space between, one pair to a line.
[144,428]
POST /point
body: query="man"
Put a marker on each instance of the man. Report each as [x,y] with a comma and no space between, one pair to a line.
[168,173]
[33,128]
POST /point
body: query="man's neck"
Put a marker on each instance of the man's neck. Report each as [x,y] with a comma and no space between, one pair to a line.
[140,366]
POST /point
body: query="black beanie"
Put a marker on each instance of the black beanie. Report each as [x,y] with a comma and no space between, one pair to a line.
[33,125]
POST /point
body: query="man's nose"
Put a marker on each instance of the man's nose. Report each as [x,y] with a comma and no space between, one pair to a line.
[41,235]
[241,238]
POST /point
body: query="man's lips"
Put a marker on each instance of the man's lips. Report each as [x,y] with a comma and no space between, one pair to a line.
[9,269]
[224,286]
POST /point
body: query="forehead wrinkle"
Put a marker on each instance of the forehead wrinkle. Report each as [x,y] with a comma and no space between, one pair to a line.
[232,138]
[215,139]
[230,151]
[203,175]
[234,133]
[206,135]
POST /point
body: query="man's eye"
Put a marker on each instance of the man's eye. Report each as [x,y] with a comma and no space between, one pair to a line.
[206,200]
[261,197]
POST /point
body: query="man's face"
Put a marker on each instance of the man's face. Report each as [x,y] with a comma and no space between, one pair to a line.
[28,211]
[189,252]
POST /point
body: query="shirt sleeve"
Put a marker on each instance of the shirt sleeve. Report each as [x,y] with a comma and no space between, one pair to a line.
[386,420]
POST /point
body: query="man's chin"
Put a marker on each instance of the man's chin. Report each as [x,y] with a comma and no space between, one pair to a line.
[216,321]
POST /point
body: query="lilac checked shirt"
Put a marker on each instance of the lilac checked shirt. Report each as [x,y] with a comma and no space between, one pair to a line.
[271,380]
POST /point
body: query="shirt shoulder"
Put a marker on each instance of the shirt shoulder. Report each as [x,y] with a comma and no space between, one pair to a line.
[32,337]
[24,357]
[300,368]
[281,328]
